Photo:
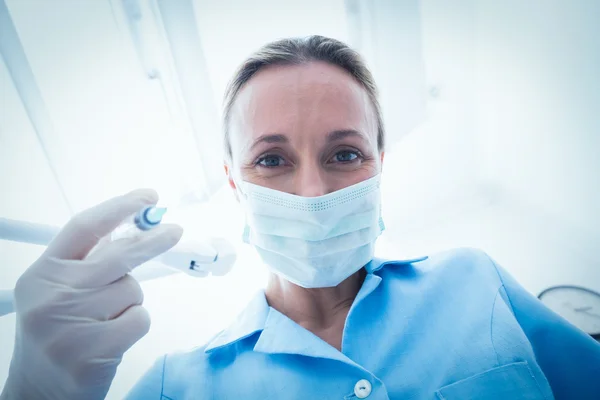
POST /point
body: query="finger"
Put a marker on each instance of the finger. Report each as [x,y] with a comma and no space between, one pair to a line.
[85,229]
[108,302]
[127,329]
[118,258]
[120,295]
[101,243]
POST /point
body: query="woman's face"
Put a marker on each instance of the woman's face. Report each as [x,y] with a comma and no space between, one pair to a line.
[305,129]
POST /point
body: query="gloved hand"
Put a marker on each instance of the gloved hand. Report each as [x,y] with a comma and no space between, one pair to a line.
[78,310]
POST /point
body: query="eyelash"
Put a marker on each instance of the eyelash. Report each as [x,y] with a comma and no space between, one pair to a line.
[358,157]
[266,156]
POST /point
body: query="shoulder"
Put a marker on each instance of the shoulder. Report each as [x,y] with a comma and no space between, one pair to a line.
[190,373]
[465,259]
[171,374]
[455,266]
[185,362]
[187,371]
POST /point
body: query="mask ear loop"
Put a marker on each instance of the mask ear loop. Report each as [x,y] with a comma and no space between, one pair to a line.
[240,192]
[241,199]
[238,182]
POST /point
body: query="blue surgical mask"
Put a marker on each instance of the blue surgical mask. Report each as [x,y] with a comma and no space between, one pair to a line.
[313,241]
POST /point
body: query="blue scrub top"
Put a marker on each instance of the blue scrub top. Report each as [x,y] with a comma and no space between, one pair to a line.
[453,326]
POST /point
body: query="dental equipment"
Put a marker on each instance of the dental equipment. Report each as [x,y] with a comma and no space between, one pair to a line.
[144,220]
[216,256]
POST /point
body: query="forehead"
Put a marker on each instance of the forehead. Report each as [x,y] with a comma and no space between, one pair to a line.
[316,97]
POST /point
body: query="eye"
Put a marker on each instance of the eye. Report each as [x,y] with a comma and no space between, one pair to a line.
[270,161]
[345,156]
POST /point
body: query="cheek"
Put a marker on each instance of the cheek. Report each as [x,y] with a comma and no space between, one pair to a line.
[282,180]
[364,172]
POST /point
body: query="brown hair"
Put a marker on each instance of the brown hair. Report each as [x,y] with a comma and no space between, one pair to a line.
[294,51]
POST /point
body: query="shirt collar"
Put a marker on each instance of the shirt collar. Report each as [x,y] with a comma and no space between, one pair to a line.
[377,263]
[250,321]
[258,314]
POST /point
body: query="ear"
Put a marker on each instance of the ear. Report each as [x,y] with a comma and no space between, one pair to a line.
[230,180]
[382,156]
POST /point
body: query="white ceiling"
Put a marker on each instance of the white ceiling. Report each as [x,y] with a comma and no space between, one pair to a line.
[111,127]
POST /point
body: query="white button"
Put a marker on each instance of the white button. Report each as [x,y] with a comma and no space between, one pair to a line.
[362,389]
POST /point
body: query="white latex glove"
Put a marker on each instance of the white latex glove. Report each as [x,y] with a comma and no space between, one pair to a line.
[78,311]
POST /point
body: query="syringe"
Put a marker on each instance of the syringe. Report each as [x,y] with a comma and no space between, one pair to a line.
[193,257]
[144,220]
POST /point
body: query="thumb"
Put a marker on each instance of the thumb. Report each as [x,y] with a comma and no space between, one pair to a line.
[85,229]
[116,259]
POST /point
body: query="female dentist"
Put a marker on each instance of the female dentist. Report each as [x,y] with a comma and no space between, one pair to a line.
[305,147]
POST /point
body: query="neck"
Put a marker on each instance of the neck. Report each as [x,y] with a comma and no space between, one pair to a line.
[322,311]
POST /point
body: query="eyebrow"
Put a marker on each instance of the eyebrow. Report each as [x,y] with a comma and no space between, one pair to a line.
[343,134]
[333,136]
[270,138]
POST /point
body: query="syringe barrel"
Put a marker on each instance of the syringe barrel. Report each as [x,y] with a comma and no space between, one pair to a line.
[143,220]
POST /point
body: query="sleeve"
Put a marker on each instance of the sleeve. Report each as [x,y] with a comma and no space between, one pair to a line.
[569,357]
[150,386]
